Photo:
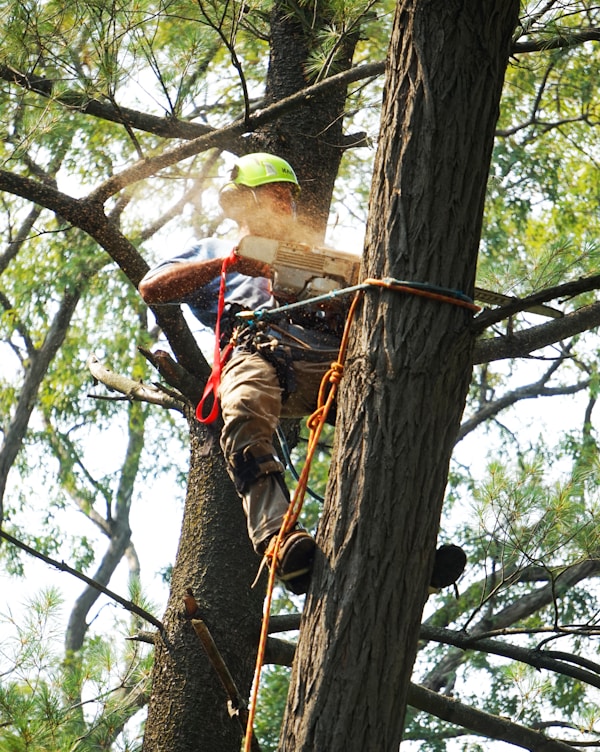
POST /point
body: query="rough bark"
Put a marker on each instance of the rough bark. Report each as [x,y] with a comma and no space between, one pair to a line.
[406,379]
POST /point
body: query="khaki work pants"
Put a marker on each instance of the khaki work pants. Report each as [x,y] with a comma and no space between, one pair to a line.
[251,406]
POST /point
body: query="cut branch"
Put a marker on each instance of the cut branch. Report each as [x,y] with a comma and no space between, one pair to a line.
[236,704]
[133,390]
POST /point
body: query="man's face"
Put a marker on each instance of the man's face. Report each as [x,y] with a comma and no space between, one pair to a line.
[274,210]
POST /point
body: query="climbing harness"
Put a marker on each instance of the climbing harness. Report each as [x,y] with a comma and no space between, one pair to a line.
[252,318]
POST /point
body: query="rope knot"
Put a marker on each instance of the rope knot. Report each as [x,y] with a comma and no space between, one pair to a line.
[313,421]
[336,372]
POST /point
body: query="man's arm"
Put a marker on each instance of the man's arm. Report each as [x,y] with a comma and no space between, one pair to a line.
[176,281]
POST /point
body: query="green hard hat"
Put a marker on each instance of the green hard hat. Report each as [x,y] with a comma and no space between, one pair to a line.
[253,170]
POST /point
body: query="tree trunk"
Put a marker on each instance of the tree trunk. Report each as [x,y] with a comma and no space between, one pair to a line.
[188,707]
[311,137]
[406,379]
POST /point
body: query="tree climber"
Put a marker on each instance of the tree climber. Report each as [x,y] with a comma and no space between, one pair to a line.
[275,369]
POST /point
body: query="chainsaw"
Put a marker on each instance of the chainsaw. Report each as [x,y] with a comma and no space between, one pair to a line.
[303,271]
[299,270]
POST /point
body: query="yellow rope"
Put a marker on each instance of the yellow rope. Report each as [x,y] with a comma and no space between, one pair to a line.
[315,423]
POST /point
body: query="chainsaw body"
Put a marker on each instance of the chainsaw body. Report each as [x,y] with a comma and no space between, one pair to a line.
[301,270]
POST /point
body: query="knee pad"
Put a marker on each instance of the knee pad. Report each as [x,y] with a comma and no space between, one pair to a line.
[254,462]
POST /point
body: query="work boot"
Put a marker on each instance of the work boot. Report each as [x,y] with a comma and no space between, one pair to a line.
[450,563]
[294,560]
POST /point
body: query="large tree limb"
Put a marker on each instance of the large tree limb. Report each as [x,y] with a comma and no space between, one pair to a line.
[523,343]
[549,660]
[227,137]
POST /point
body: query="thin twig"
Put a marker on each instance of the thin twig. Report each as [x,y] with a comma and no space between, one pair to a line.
[128,605]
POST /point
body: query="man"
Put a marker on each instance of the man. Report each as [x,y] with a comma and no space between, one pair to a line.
[276,368]
[274,371]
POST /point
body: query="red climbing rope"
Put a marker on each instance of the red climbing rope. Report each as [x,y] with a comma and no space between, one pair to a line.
[219,357]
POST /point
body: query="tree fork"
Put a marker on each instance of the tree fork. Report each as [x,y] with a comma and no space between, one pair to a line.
[407,375]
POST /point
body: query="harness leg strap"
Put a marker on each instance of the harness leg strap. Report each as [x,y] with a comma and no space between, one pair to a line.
[258,477]
[254,462]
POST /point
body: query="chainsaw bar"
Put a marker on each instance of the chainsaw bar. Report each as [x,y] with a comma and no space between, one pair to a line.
[498,299]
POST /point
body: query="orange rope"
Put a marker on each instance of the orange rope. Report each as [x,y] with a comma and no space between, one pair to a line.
[422,292]
[315,423]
